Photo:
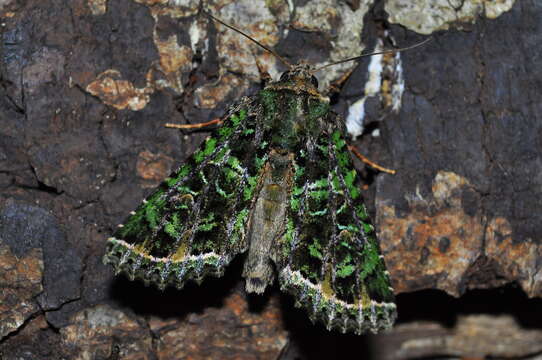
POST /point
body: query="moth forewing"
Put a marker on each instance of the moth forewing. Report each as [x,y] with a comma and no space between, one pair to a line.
[276,179]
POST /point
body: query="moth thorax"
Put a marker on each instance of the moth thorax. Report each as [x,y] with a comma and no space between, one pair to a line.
[300,73]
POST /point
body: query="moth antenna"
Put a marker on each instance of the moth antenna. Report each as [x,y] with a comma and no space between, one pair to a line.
[392,51]
[269,50]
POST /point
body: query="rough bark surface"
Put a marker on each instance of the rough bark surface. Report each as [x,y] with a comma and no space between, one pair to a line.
[87,85]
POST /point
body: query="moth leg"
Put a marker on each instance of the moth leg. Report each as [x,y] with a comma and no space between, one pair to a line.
[369,162]
[264,75]
[216,121]
[335,86]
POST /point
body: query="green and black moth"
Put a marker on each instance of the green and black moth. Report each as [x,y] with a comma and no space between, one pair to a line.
[276,181]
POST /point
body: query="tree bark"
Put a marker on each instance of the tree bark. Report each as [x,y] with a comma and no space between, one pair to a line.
[87,86]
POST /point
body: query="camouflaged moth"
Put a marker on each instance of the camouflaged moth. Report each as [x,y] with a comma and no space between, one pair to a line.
[275,180]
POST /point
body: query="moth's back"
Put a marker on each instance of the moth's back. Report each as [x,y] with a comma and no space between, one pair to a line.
[293,109]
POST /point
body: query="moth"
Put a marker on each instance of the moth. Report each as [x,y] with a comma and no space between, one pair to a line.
[275,181]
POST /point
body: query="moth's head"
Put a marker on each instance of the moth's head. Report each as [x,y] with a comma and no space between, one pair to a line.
[300,75]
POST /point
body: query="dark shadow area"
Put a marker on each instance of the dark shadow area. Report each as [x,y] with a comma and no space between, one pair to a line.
[436,305]
[313,341]
[256,302]
[193,298]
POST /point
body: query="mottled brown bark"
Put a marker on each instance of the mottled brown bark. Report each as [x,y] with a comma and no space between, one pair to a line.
[87,86]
